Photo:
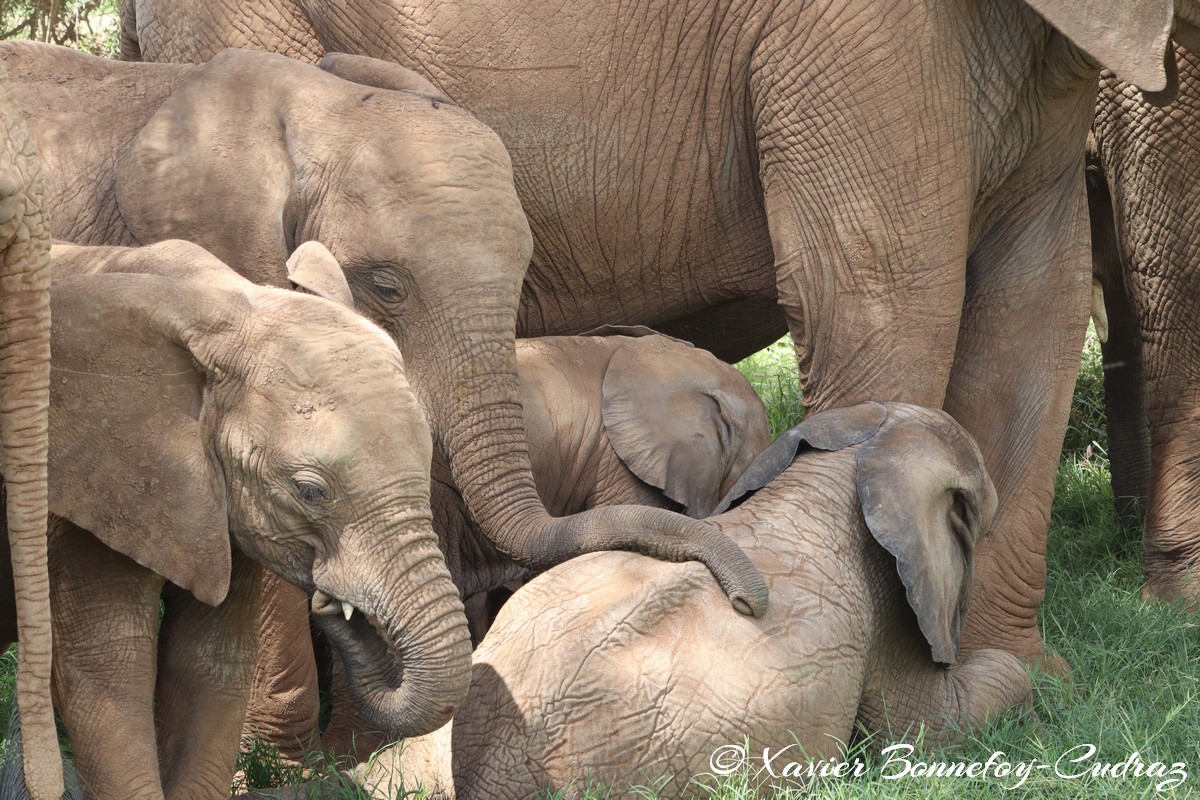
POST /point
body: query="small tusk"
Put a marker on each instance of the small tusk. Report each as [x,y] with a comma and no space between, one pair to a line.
[1099,312]
[347,610]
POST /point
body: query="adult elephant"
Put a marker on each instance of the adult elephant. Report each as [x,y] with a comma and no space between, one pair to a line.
[252,154]
[1146,243]
[905,178]
[24,403]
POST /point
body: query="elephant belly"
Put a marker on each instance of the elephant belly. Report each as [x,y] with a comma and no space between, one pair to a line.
[636,164]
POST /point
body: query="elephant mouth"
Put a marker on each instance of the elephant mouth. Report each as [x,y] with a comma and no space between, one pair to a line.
[325,604]
[362,638]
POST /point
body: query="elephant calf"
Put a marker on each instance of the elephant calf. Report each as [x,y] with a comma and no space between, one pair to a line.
[203,427]
[624,418]
[623,669]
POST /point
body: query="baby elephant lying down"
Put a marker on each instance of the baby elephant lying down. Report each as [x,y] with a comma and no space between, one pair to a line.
[625,670]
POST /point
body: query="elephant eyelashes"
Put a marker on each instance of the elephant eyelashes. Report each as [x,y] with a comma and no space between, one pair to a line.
[311,492]
[387,292]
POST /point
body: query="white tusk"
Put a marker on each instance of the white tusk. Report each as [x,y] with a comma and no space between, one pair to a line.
[1099,312]
[347,610]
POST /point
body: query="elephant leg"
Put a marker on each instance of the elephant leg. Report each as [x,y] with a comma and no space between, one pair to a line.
[206,664]
[1172,535]
[105,610]
[349,734]
[1124,381]
[869,233]
[941,703]
[1024,319]
[285,701]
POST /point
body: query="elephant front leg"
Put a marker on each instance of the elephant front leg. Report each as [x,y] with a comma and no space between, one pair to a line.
[105,609]
[206,665]
[862,329]
[1024,319]
[939,704]
[868,222]
[285,700]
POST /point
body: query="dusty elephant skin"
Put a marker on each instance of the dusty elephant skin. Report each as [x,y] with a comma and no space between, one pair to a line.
[628,417]
[24,404]
[624,670]
[203,427]
[1144,195]
[904,177]
[252,154]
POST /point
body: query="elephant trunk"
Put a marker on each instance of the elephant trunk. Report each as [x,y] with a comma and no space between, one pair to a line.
[24,405]
[483,433]
[406,647]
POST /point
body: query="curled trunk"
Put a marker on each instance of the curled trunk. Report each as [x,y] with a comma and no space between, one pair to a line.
[483,432]
[407,652]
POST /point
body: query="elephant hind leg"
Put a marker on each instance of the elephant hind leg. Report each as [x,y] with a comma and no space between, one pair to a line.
[1172,536]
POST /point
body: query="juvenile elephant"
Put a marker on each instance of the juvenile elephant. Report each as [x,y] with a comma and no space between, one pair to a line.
[627,417]
[24,404]
[1145,205]
[621,669]
[904,178]
[202,426]
[252,154]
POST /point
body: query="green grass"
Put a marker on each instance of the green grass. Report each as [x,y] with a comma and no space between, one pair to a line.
[1133,688]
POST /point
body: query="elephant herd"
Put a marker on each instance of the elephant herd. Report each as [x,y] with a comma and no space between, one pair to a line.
[364,310]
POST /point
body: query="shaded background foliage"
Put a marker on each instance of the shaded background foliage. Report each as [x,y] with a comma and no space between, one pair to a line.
[88,25]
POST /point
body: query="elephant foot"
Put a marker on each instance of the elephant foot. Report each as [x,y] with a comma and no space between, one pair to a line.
[1052,663]
[1184,590]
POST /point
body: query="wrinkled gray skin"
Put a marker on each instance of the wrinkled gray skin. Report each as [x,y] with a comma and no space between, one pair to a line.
[252,154]
[623,670]
[24,405]
[904,177]
[203,427]
[1144,197]
[628,417]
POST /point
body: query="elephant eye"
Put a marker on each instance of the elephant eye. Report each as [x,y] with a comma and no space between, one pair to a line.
[387,291]
[310,490]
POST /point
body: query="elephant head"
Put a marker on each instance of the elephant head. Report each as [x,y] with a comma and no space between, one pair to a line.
[677,418]
[254,153]
[24,400]
[194,412]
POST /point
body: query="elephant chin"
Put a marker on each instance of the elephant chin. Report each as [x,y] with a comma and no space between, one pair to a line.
[407,678]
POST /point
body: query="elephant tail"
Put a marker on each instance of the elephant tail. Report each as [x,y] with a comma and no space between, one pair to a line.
[12,768]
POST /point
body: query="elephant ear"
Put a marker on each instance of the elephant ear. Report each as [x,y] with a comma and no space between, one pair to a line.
[681,420]
[128,460]
[312,268]
[212,166]
[927,498]
[828,430]
[1127,36]
[380,74]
